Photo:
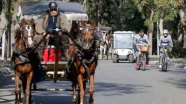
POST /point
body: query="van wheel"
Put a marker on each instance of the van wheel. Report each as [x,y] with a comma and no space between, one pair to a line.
[115,59]
[131,58]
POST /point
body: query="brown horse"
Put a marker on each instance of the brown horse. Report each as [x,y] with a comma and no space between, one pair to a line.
[24,62]
[84,63]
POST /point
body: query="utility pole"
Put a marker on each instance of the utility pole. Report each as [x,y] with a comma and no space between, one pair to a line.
[97,7]
[9,28]
[157,38]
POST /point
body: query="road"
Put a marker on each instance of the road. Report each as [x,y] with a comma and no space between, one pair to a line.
[115,83]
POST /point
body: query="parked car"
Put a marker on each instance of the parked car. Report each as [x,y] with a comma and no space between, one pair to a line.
[123,47]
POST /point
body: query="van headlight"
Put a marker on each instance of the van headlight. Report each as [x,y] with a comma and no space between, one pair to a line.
[115,52]
[129,52]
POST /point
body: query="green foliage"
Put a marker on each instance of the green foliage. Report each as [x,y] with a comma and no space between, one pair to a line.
[184,61]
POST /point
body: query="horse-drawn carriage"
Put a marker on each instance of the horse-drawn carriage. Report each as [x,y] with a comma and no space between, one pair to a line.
[56,69]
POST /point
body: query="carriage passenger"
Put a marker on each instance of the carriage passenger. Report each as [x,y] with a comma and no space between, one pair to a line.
[98,33]
[141,39]
[165,40]
[50,20]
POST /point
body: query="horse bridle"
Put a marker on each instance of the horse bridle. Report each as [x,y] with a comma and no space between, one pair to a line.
[28,28]
[89,34]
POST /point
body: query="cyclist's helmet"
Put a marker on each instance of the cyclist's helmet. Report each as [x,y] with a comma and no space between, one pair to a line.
[165,33]
[52,5]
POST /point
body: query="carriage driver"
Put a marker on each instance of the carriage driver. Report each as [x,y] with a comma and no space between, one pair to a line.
[140,39]
[165,40]
[50,20]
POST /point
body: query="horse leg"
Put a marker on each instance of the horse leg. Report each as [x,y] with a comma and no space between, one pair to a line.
[81,88]
[74,84]
[28,88]
[23,83]
[104,51]
[74,97]
[91,89]
[17,90]
[101,52]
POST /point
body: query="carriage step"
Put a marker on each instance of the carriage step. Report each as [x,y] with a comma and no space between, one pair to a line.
[53,63]
[51,73]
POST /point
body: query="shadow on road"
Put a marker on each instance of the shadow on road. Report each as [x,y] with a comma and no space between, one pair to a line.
[120,89]
[7,82]
[179,82]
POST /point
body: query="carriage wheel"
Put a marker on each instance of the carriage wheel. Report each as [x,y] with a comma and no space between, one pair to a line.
[78,96]
[34,86]
[20,92]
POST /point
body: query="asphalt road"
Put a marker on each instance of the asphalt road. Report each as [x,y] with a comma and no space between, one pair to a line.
[115,83]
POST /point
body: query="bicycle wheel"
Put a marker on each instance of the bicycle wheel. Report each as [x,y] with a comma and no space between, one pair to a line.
[164,63]
[142,62]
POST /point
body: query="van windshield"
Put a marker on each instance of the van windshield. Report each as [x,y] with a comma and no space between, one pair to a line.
[123,40]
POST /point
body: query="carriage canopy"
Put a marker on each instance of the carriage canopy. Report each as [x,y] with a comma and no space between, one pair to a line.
[73,10]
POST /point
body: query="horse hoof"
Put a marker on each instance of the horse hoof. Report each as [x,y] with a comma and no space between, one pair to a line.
[90,100]
[74,98]
[16,102]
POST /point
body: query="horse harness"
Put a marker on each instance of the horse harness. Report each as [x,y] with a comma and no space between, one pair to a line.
[18,52]
[85,56]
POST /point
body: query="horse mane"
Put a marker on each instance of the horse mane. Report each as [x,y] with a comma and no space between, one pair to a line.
[75,26]
[17,33]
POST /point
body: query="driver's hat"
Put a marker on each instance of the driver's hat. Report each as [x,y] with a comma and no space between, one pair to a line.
[52,5]
[165,31]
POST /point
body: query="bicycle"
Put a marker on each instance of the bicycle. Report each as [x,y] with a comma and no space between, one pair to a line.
[165,58]
[142,57]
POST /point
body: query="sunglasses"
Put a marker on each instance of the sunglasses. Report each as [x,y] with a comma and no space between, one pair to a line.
[53,9]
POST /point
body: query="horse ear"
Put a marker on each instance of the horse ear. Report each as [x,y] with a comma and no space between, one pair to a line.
[23,22]
[93,25]
[74,24]
[83,24]
[32,21]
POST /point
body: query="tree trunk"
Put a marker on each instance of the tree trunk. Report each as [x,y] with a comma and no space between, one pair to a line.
[161,23]
[150,30]
[182,13]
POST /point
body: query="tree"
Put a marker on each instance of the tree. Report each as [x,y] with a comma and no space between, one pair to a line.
[165,11]
[182,13]
[147,9]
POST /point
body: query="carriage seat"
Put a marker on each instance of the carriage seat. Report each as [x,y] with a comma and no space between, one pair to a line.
[49,54]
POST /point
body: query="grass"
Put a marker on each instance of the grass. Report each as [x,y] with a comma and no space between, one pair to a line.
[184,61]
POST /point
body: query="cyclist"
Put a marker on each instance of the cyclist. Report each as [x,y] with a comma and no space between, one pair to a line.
[141,39]
[165,39]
